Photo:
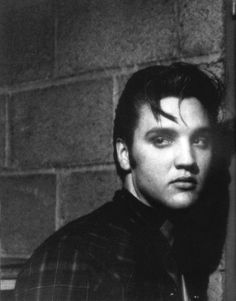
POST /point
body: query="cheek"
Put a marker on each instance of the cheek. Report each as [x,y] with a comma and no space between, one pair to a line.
[151,161]
[153,168]
[205,161]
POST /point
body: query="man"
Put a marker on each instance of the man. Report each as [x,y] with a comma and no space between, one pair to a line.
[154,240]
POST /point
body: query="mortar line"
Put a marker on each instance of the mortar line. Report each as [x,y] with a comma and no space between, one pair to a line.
[15,255]
[57,200]
[63,170]
[7,133]
[55,12]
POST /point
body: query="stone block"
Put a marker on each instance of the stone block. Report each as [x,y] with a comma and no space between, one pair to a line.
[28,211]
[63,125]
[2,130]
[27,42]
[201,27]
[80,193]
[99,34]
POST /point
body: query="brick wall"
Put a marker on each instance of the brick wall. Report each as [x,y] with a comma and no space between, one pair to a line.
[63,65]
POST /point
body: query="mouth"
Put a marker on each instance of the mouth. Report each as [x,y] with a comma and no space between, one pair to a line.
[184,183]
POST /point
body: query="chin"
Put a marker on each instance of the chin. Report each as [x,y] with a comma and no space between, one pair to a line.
[182,202]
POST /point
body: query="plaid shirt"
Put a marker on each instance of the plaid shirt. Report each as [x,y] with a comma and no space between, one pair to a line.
[119,252]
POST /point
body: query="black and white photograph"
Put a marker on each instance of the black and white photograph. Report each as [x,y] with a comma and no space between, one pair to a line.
[117,150]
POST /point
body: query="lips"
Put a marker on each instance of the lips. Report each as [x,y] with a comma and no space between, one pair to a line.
[185,183]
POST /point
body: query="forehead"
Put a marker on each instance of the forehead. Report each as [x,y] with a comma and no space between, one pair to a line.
[188,113]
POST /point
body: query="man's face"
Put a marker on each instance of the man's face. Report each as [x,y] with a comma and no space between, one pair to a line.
[171,159]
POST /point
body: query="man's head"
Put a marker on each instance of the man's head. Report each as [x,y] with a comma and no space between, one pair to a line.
[162,133]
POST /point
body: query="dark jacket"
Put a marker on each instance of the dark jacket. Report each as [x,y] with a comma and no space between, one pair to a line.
[119,252]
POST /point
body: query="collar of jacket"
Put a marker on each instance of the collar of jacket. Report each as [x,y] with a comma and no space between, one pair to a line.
[156,219]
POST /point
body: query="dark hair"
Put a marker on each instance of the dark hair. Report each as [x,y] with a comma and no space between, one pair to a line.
[150,85]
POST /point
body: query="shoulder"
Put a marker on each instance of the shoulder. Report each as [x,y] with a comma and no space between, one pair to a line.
[75,234]
[79,232]
[76,251]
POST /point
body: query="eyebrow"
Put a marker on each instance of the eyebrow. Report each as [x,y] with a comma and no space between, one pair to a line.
[170,130]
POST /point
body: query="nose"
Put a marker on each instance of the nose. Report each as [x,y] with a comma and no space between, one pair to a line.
[185,157]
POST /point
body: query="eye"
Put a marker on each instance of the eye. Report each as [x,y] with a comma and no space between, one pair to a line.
[161,141]
[202,141]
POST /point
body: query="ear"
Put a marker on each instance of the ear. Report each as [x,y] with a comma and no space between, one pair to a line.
[122,154]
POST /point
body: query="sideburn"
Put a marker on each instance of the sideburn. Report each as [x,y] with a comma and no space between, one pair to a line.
[132,161]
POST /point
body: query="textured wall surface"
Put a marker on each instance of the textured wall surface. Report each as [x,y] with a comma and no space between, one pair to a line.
[63,65]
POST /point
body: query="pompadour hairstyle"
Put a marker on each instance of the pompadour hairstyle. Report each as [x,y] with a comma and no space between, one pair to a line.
[150,85]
